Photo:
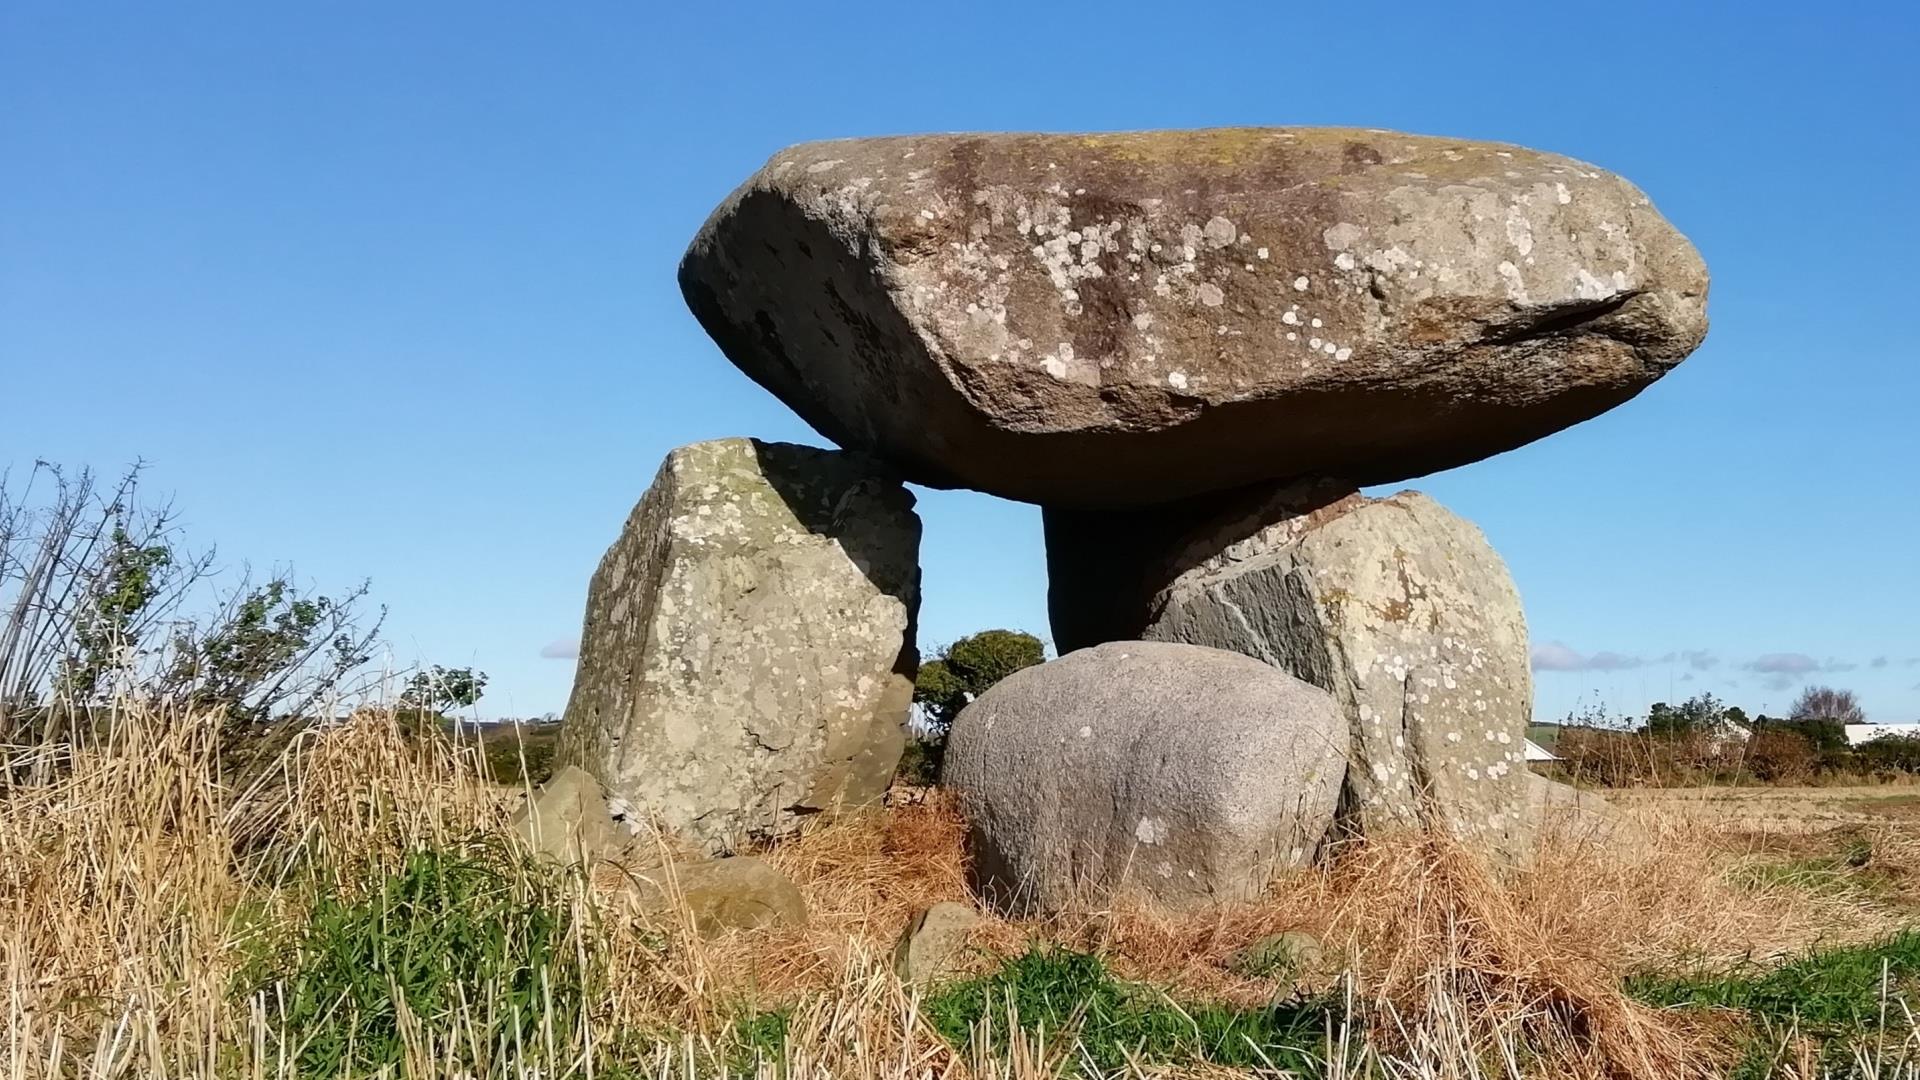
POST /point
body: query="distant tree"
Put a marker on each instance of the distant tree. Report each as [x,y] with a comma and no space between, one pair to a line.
[963,671]
[1826,703]
[442,689]
[1702,713]
[966,668]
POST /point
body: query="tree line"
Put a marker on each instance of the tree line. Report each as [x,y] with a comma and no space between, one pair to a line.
[1704,740]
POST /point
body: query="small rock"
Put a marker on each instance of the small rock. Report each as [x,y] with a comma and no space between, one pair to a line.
[1279,956]
[567,820]
[932,942]
[1294,957]
[738,893]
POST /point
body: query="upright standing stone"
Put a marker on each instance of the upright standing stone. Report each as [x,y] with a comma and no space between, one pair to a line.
[1396,606]
[1125,319]
[748,656]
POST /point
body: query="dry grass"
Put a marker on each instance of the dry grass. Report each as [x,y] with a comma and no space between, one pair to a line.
[1780,810]
[140,888]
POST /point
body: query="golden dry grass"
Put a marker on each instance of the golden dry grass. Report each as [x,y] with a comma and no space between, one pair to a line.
[1782,809]
[137,882]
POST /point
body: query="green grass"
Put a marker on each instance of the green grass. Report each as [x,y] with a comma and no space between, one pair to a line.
[1840,998]
[757,1035]
[1848,872]
[465,941]
[1073,993]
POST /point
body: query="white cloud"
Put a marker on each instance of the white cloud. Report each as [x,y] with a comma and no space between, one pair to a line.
[1784,663]
[563,649]
[1697,659]
[1556,656]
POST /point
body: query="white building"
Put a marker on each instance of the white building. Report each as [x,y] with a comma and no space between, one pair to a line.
[1860,733]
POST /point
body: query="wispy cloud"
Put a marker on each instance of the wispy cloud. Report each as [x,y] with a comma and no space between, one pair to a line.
[1697,659]
[563,649]
[1556,656]
[1877,663]
[1784,663]
[1784,669]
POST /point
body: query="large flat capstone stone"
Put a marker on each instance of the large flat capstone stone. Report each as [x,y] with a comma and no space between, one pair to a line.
[1127,319]
[747,656]
[1180,774]
[1398,607]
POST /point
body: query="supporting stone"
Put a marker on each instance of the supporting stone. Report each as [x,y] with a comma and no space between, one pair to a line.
[747,657]
[1396,606]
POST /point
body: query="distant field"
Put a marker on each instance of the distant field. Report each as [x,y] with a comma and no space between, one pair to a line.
[1781,809]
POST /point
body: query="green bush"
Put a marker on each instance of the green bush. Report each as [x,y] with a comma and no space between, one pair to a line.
[1890,754]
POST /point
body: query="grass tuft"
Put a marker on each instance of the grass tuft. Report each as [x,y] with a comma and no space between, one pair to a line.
[1059,990]
[1834,989]
[370,974]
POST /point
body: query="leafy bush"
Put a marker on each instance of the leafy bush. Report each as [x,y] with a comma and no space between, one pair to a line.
[95,587]
[1890,754]
[101,605]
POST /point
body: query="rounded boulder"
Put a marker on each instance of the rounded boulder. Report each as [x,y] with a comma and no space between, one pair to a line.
[1182,774]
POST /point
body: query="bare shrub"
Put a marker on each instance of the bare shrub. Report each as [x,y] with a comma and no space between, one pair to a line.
[1781,757]
[100,600]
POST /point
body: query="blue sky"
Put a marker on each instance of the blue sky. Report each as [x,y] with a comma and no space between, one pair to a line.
[387,290]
